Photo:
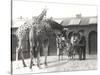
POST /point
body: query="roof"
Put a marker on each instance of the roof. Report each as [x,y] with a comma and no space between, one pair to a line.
[79,21]
[74,21]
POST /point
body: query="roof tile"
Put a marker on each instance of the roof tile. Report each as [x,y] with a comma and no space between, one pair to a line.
[79,21]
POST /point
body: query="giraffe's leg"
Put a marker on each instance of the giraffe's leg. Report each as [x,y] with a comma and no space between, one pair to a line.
[45,48]
[21,53]
[46,54]
[17,53]
[38,54]
[38,59]
[18,49]
[31,54]
[32,42]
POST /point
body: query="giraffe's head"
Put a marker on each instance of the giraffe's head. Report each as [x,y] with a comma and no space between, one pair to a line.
[41,16]
[44,11]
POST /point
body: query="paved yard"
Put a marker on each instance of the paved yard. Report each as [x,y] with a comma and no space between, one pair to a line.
[57,66]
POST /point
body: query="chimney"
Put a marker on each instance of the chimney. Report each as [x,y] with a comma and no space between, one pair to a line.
[78,15]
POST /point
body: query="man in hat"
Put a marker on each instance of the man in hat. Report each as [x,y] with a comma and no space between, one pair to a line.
[82,45]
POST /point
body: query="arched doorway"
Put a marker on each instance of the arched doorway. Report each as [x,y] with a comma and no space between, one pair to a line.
[93,42]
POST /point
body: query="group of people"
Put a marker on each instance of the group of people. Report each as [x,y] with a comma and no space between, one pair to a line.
[77,45]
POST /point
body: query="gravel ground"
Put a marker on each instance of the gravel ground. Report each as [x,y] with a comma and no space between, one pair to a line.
[54,65]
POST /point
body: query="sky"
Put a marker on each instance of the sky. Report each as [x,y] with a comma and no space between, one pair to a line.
[31,8]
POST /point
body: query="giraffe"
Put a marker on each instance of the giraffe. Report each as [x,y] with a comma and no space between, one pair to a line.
[23,32]
[39,38]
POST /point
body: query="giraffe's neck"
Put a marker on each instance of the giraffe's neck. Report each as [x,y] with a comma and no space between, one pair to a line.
[41,16]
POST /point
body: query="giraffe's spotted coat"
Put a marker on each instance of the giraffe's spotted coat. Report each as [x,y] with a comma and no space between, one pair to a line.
[23,30]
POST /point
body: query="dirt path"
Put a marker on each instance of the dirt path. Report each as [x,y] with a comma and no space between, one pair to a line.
[57,66]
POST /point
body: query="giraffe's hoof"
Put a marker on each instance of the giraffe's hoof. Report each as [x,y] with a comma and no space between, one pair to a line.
[46,66]
[30,67]
[39,67]
[25,66]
